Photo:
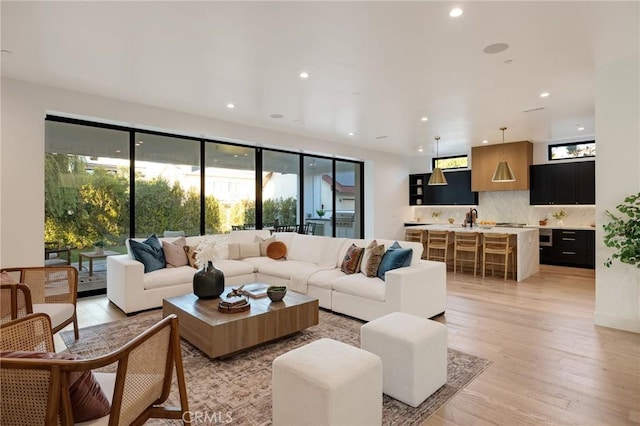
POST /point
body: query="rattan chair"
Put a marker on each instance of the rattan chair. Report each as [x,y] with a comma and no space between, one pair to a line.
[54,291]
[36,391]
[15,302]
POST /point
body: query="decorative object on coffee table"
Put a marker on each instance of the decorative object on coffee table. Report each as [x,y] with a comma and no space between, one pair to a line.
[232,304]
[208,282]
[276,293]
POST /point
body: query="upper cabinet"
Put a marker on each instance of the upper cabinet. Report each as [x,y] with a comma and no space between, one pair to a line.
[485,159]
[456,192]
[564,183]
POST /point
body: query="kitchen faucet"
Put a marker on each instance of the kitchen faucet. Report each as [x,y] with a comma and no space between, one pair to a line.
[471,217]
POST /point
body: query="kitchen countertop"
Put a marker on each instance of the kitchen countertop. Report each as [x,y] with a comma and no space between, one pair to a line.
[416,225]
[459,228]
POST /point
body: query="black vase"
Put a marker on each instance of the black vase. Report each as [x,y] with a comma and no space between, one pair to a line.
[208,282]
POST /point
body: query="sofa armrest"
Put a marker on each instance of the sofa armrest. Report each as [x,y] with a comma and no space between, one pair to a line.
[125,281]
[420,289]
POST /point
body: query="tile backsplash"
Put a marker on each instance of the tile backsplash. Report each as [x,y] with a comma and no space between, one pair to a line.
[507,206]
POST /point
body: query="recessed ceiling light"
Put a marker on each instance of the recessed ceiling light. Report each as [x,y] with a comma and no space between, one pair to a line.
[544,94]
[485,141]
[424,119]
[304,74]
[455,12]
[351,133]
[276,116]
[495,48]
[580,128]
[230,106]
[420,149]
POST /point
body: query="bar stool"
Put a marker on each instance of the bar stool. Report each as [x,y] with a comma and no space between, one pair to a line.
[417,236]
[466,242]
[438,243]
[497,251]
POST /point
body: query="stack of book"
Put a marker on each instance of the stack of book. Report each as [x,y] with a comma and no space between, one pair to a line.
[234,304]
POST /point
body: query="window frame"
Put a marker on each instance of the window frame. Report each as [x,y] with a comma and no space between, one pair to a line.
[434,159]
[559,145]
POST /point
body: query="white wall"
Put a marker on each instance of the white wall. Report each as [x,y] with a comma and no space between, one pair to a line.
[25,105]
[618,175]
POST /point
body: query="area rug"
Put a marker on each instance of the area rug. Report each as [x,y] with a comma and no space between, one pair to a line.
[237,389]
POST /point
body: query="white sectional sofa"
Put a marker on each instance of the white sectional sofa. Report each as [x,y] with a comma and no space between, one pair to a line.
[312,267]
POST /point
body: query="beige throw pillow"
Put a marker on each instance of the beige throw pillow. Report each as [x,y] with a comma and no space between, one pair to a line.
[264,243]
[371,259]
[174,253]
[243,250]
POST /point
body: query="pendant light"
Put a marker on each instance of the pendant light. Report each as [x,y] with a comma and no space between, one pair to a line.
[437,177]
[503,171]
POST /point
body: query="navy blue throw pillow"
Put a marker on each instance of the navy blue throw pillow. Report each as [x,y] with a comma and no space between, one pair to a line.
[149,252]
[394,258]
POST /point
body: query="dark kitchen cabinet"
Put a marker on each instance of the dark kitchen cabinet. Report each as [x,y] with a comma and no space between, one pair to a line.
[566,183]
[456,192]
[572,248]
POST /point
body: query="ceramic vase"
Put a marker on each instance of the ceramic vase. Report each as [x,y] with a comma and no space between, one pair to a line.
[208,282]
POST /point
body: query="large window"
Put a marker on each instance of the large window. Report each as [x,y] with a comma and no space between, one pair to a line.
[109,182]
[167,186]
[86,185]
[280,188]
[230,187]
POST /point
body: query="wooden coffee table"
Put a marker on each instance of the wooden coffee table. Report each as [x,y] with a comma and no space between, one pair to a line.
[219,334]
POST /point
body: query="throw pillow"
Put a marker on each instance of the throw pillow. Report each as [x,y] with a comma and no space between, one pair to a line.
[249,250]
[394,258]
[149,252]
[6,278]
[88,401]
[174,253]
[264,243]
[234,251]
[191,252]
[353,257]
[396,245]
[373,253]
[277,250]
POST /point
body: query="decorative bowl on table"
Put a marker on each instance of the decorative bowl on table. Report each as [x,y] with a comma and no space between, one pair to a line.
[486,224]
[276,293]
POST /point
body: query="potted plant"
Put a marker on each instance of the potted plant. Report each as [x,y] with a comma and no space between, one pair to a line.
[622,233]
[98,247]
[320,212]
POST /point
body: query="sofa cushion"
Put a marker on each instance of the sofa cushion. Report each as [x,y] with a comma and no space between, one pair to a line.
[242,250]
[286,269]
[58,312]
[257,262]
[361,286]
[371,259]
[149,253]
[168,277]
[323,278]
[174,253]
[233,268]
[248,236]
[351,261]
[394,258]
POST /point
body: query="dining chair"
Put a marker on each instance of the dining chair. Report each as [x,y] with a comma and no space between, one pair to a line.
[417,236]
[54,291]
[497,251]
[38,390]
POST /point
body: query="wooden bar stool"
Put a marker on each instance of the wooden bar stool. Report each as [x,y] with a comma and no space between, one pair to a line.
[438,244]
[497,251]
[417,236]
[466,242]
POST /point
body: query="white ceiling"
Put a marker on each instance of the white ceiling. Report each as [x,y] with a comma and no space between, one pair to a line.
[375,67]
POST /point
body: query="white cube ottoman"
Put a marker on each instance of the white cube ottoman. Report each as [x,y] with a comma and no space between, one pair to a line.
[414,355]
[327,382]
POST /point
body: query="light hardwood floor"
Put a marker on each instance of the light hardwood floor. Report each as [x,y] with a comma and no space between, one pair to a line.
[551,364]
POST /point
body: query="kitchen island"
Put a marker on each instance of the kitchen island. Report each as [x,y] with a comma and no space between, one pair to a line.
[525,240]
